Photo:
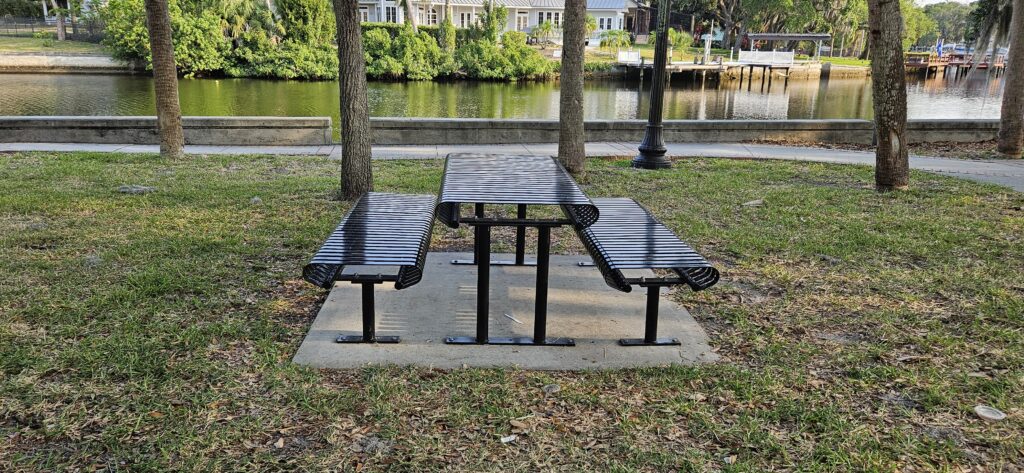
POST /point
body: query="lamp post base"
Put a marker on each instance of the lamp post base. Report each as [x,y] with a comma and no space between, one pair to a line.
[646,160]
[652,148]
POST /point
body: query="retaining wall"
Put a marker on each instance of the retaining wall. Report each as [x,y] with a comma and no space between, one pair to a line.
[397,131]
[289,131]
[428,131]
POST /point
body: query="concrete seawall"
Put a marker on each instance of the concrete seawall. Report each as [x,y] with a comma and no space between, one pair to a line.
[434,131]
[142,130]
[427,131]
[64,63]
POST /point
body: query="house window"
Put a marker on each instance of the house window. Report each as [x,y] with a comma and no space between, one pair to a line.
[432,17]
[465,19]
[364,14]
[601,25]
[522,21]
[540,17]
[558,21]
[391,14]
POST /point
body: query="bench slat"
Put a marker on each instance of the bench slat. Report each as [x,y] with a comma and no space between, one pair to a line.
[381,229]
[627,236]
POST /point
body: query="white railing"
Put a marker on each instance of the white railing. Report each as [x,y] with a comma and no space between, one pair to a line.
[629,57]
[767,57]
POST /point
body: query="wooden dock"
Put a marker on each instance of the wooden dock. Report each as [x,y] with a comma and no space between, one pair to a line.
[956,64]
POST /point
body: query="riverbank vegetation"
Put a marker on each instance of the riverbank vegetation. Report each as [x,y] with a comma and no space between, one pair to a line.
[857,330]
[294,41]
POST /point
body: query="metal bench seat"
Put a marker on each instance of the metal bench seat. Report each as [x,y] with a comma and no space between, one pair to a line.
[628,237]
[381,229]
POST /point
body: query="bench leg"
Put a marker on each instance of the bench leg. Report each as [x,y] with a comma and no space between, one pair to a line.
[650,324]
[369,322]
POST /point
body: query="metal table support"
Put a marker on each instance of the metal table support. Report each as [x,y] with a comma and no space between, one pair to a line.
[520,243]
[482,248]
[481,179]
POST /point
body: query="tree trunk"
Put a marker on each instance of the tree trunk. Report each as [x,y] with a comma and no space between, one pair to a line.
[889,93]
[165,79]
[570,115]
[1011,117]
[62,30]
[867,47]
[410,15]
[356,172]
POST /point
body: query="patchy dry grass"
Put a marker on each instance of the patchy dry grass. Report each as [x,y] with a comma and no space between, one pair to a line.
[32,45]
[154,332]
[982,150]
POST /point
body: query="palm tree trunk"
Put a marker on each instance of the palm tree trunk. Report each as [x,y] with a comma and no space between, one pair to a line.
[1011,117]
[62,30]
[570,116]
[867,47]
[356,172]
[165,79]
[889,93]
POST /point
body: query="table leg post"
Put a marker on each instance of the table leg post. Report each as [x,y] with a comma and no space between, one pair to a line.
[540,318]
[483,281]
[521,237]
[479,212]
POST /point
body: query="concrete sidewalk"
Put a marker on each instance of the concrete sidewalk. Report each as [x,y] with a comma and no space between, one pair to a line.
[1008,173]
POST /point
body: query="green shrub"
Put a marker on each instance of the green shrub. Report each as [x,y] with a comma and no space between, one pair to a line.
[446,35]
[127,37]
[391,28]
[432,30]
[199,44]
[47,38]
[483,60]
[380,58]
[598,66]
[419,53]
[308,21]
[524,61]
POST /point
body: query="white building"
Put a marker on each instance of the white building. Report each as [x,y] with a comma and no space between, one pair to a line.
[523,15]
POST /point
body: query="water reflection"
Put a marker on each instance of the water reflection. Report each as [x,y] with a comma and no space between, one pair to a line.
[686,98]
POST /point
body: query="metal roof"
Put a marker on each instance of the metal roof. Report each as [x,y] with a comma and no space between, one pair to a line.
[789,36]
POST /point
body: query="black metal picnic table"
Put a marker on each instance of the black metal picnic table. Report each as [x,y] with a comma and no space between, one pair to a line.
[481,179]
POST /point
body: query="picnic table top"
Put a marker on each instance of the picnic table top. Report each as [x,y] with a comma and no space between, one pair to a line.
[505,179]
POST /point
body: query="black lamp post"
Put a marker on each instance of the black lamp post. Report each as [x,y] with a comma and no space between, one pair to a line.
[652,149]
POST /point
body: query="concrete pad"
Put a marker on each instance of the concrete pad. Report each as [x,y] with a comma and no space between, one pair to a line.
[580,306]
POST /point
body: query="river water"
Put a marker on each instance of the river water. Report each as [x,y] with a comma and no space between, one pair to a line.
[57,94]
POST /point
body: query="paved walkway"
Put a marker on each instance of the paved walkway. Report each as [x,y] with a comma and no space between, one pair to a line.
[1009,173]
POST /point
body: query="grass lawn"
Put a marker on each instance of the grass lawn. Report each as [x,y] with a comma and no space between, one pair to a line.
[847,61]
[857,330]
[25,45]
